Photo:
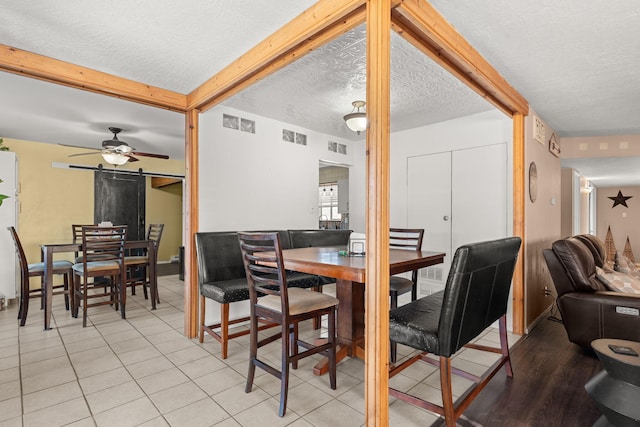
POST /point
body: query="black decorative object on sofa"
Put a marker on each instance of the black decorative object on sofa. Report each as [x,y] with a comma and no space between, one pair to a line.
[475,296]
[589,311]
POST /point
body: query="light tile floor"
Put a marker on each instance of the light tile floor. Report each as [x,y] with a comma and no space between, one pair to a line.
[143,372]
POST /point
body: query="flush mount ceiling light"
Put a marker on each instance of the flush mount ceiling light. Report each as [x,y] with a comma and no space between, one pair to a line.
[357,120]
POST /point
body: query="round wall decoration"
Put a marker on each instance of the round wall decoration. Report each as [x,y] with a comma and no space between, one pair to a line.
[533,182]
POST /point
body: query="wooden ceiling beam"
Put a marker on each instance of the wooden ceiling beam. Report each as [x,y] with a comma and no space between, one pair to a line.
[420,24]
[314,27]
[29,64]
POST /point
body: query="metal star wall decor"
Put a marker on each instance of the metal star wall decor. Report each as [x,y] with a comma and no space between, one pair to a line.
[620,200]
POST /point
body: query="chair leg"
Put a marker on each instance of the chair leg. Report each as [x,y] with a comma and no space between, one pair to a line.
[447,393]
[202,306]
[84,302]
[504,345]
[253,352]
[20,308]
[66,290]
[224,329]
[41,293]
[317,321]
[24,308]
[414,292]
[294,344]
[332,350]
[76,300]
[284,372]
[121,288]
[144,282]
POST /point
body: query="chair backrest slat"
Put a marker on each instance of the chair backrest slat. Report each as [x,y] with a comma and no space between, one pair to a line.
[477,291]
[155,233]
[406,238]
[103,243]
[265,274]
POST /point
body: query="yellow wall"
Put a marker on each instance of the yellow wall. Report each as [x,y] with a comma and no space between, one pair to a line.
[51,199]
[164,206]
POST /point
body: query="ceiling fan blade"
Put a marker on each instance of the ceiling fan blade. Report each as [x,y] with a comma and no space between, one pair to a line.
[131,158]
[83,154]
[156,156]
[78,146]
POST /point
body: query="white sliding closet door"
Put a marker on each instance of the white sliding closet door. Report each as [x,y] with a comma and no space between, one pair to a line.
[458,197]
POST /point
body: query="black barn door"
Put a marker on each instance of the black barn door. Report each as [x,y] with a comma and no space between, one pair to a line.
[120,199]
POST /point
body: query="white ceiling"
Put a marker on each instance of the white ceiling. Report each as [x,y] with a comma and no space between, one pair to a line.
[576,65]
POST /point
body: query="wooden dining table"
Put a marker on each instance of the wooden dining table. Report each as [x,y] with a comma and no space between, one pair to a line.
[48,249]
[350,275]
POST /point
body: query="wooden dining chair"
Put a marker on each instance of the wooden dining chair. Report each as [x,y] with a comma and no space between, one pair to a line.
[406,239]
[76,234]
[272,300]
[102,256]
[37,270]
[138,265]
[475,296]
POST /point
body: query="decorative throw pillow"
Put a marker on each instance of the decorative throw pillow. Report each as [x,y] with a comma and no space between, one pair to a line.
[618,282]
[633,268]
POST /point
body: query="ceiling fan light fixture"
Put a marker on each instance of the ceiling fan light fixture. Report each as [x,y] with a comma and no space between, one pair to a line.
[115,159]
[357,120]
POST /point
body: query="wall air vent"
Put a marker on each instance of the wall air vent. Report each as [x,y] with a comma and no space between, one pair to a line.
[238,123]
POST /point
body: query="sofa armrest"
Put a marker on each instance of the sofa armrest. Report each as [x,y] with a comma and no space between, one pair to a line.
[592,315]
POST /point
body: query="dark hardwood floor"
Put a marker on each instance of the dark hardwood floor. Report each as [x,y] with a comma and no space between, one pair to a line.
[547,388]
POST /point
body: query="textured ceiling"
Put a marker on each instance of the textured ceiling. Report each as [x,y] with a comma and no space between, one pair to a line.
[576,65]
[575,62]
[174,45]
[317,90]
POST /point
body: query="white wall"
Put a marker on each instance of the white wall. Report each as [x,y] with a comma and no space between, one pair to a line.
[258,181]
[472,131]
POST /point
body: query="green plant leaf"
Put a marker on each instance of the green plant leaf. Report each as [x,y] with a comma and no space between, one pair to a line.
[2,197]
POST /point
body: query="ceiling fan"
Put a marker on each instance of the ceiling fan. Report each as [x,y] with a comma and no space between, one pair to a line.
[117,152]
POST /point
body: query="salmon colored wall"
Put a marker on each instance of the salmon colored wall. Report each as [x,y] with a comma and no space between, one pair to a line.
[51,199]
[542,221]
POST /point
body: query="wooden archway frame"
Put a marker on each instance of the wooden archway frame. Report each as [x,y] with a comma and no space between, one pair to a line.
[415,20]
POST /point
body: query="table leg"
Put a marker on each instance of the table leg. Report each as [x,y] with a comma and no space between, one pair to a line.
[350,323]
[48,286]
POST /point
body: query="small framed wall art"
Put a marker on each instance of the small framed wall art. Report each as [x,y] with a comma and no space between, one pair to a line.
[554,147]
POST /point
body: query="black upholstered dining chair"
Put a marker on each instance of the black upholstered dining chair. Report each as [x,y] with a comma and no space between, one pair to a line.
[274,301]
[37,270]
[102,256]
[475,296]
[222,278]
[405,239]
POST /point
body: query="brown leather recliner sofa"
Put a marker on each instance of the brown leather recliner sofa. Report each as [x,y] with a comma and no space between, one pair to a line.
[589,311]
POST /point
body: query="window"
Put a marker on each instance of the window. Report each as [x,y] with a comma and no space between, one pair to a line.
[328,197]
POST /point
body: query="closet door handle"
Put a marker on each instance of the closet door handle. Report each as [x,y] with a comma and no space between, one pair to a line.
[445,218]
